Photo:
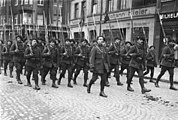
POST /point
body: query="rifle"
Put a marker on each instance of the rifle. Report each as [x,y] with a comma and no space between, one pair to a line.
[46,33]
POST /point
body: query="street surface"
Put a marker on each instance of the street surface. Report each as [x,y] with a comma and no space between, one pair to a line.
[19,102]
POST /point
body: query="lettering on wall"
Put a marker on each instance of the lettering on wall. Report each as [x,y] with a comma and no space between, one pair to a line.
[169,15]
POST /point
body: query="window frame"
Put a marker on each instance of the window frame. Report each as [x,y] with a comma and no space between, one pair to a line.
[76,10]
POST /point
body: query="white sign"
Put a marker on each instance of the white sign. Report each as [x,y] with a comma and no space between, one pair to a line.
[169,15]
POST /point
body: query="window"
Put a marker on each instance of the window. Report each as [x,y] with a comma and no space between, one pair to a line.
[94,6]
[0,3]
[3,2]
[76,10]
[123,4]
[25,1]
[83,8]
[40,2]
[16,2]
[111,5]
[27,18]
[30,2]
[40,19]
[139,3]
[16,19]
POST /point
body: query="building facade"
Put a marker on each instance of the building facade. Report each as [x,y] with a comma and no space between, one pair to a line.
[29,18]
[125,16]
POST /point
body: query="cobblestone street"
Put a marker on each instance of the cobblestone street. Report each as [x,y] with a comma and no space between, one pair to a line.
[24,103]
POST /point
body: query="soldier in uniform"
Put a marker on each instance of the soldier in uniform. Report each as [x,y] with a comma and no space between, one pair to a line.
[167,63]
[18,49]
[1,46]
[7,58]
[151,62]
[114,52]
[33,56]
[125,59]
[137,53]
[82,61]
[99,65]
[50,64]
[67,62]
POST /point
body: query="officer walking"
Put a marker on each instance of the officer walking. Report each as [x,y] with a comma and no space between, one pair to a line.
[99,64]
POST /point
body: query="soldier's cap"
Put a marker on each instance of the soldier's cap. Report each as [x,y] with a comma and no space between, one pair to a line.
[94,41]
[170,40]
[101,36]
[19,36]
[117,38]
[128,42]
[152,46]
[52,40]
[141,38]
[82,40]
[67,39]
[72,40]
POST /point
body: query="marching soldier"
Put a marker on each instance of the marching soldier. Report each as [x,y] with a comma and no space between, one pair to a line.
[1,46]
[151,62]
[7,58]
[137,53]
[33,56]
[82,61]
[167,63]
[99,65]
[50,55]
[18,49]
[67,62]
[114,52]
[125,59]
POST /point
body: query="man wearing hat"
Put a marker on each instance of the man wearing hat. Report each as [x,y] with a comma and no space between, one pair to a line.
[137,63]
[67,53]
[82,62]
[125,59]
[18,49]
[50,64]
[114,52]
[33,57]
[99,65]
[167,63]
[7,58]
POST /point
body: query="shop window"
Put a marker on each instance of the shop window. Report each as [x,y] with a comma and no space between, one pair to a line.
[76,10]
[94,6]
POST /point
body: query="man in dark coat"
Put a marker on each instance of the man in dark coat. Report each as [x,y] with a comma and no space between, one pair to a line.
[151,62]
[33,61]
[114,52]
[67,54]
[18,49]
[7,58]
[50,64]
[167,63]
[1,60]
[99,65]
[137,63]
[82,62]
[125,59]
